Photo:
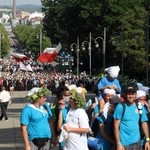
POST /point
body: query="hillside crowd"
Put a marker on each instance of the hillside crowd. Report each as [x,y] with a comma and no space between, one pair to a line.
[14,78]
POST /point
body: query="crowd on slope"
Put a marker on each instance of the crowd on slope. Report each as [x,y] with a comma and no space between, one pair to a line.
[14,78]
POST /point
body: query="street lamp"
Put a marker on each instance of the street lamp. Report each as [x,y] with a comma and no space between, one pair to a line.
[76,46]
[104,45]
[89,48]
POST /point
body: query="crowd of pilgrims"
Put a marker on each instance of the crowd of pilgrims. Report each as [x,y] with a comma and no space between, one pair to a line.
[114,119]
[18,80]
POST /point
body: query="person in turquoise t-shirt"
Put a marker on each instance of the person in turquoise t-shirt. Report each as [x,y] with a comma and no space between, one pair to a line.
[103,124]
[141,98]
[61,110]
[126,123]
[109,81]
[34,121]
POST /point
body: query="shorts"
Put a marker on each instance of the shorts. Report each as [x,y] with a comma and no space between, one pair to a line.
[135,146]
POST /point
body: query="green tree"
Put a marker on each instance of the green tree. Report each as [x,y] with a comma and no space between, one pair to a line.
[28,36]
[125,22]
[5,42]
[129,41]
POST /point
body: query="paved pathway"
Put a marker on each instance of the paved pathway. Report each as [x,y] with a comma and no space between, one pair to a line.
[10,135]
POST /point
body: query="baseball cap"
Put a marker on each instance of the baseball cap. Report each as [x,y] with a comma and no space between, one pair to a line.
[130,89]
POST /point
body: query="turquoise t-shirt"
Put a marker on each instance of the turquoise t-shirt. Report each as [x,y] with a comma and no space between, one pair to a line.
[96,109]
[108,123]
[36,122]
[64,114]
[129,123]
[105,144]
[105,82]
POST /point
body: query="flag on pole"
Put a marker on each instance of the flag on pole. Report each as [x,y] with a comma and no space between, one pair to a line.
[22,66]
[19,57]
[49,54]
[29,68]
[25,68]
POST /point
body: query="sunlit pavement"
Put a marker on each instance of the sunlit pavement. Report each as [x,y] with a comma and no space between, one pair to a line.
[10,135]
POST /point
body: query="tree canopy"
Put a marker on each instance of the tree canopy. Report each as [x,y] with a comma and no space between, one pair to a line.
[5,42]
[126,23]
[29,37]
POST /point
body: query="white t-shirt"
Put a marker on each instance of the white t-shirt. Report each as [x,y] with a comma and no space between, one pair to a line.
[5,96]
[77,119]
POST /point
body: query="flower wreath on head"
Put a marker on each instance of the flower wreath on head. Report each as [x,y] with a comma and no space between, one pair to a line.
[36,93]
[78,98]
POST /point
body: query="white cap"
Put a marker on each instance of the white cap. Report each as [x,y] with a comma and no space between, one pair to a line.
[33,90]
[113,71]
[109,91]
[140,93]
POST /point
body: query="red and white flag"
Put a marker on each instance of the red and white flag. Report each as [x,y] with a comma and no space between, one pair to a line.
[25,68]
[29,68]
[49,54]
[19,57]
[22,66]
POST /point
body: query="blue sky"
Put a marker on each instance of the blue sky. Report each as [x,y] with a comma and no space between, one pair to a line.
[20,2]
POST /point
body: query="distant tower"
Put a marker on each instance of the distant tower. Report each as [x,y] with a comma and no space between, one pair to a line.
[14,9]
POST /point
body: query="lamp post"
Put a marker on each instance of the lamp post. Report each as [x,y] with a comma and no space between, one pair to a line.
[104,46]
[76,45]
[89,48]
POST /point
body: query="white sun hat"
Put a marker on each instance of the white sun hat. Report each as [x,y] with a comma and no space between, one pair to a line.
[140,93]
[33,90]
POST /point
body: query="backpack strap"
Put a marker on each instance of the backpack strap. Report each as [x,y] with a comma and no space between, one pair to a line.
[124,108]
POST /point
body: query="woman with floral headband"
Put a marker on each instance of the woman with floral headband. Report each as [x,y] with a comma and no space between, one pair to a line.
[74,132]
[34,122]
